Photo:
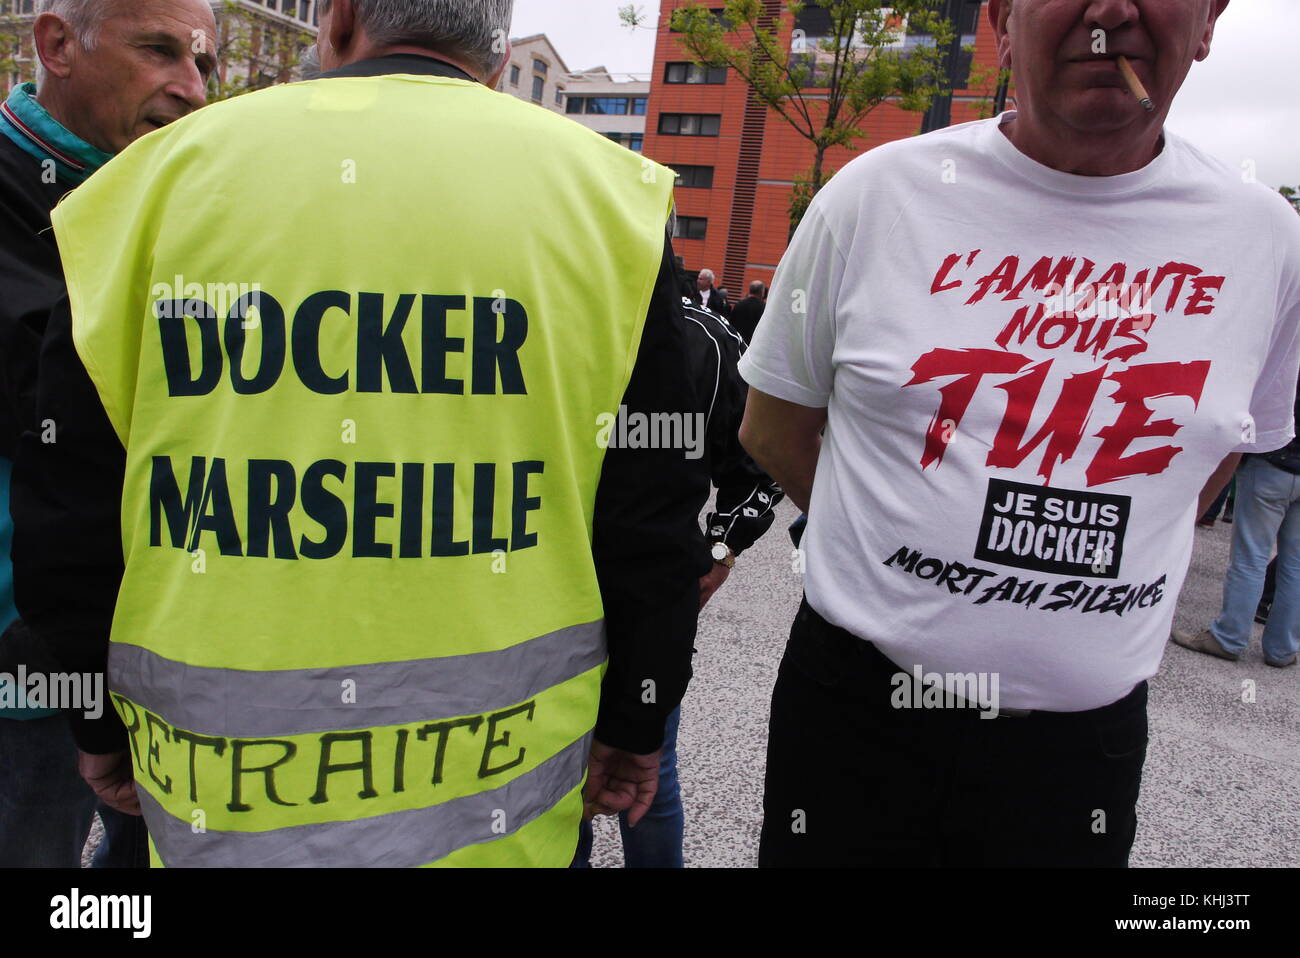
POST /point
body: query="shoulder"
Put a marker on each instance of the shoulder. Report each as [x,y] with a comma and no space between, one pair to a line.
[707,327]
[1197,174]
[881,182]
[899,163]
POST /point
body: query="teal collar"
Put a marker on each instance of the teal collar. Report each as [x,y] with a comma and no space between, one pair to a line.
[29,125]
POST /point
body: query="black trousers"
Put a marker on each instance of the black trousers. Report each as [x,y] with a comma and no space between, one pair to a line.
[853,781]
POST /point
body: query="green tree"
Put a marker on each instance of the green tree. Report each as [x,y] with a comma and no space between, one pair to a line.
[1292,196]
[253,52]
[823,87]
[13,30]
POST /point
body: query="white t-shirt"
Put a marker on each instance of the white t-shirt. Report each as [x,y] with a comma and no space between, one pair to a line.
[1010,470]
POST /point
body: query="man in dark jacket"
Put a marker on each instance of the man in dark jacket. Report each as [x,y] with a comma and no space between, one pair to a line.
[746,314]
[710,297]
[103,87]
[743,511]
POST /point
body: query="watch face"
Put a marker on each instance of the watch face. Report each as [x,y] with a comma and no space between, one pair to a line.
[719,551]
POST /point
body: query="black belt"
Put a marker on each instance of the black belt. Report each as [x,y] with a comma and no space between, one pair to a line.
[854,648]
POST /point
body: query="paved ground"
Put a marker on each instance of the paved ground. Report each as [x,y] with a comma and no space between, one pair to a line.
[1222,779]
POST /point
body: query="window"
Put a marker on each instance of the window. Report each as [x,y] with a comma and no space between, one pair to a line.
[690,227]
[814,21]
[718,14]
[633,141]
[689,124]
[699,177]
[559,96]
[539,66]
[539,87]
[514,75]
[607,105]
[690,73]
[967,25]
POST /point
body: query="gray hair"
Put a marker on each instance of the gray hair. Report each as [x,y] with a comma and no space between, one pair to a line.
[708,274]
[83,17]
[474,30]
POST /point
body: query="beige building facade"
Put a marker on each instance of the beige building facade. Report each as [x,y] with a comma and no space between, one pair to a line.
[537,73]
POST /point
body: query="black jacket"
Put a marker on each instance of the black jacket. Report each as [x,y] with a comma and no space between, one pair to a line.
[31,282]
[1288,457]
[745,316]
[747,496]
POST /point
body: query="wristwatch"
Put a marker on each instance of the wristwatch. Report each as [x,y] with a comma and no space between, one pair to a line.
[723,555]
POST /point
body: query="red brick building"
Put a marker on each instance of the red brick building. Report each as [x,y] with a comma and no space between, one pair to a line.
[738,159]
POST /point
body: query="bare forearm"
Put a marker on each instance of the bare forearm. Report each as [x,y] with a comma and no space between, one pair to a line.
[1218,479]
[793,467]
[785,440]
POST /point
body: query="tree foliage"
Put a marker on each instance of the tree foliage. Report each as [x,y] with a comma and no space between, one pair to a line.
[14,30]
[253,52]
[823,87]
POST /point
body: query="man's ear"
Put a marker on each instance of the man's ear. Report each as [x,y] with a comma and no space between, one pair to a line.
[55,45]
[1000,18]
[343,25]
[1216,10]
[494,80]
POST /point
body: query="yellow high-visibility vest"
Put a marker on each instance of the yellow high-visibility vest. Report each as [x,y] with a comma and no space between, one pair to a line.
[356,336]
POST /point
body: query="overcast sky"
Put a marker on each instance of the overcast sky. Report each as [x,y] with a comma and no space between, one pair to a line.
[1242,104]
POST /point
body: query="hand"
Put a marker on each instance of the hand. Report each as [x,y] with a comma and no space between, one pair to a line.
[712,582]
[109,776]
[619,781]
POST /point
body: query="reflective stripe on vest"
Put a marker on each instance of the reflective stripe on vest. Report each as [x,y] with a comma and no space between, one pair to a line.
[357,336]
[387,693]
[397,840]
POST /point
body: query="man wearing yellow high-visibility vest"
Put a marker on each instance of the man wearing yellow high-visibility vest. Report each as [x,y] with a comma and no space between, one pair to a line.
[332,388]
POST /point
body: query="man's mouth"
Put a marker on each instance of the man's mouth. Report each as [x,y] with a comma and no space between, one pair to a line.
[1107,58]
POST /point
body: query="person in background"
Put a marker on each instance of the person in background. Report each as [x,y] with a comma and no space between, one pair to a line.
[1267,516]
[1224,503]
[711,298]
[746,314]
[111,71]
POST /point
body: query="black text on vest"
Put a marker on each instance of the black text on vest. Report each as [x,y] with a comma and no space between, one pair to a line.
[495,330]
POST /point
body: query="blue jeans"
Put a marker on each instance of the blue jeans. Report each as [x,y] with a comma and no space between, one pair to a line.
[656,842]
[45,806]
[1266,513]
[126,841]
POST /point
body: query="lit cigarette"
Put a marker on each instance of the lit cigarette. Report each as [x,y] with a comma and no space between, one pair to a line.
[1134,84]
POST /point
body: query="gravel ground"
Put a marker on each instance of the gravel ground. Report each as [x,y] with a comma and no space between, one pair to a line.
[1222,779]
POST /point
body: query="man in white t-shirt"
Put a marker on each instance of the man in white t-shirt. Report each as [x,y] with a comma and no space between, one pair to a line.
[1033,341]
